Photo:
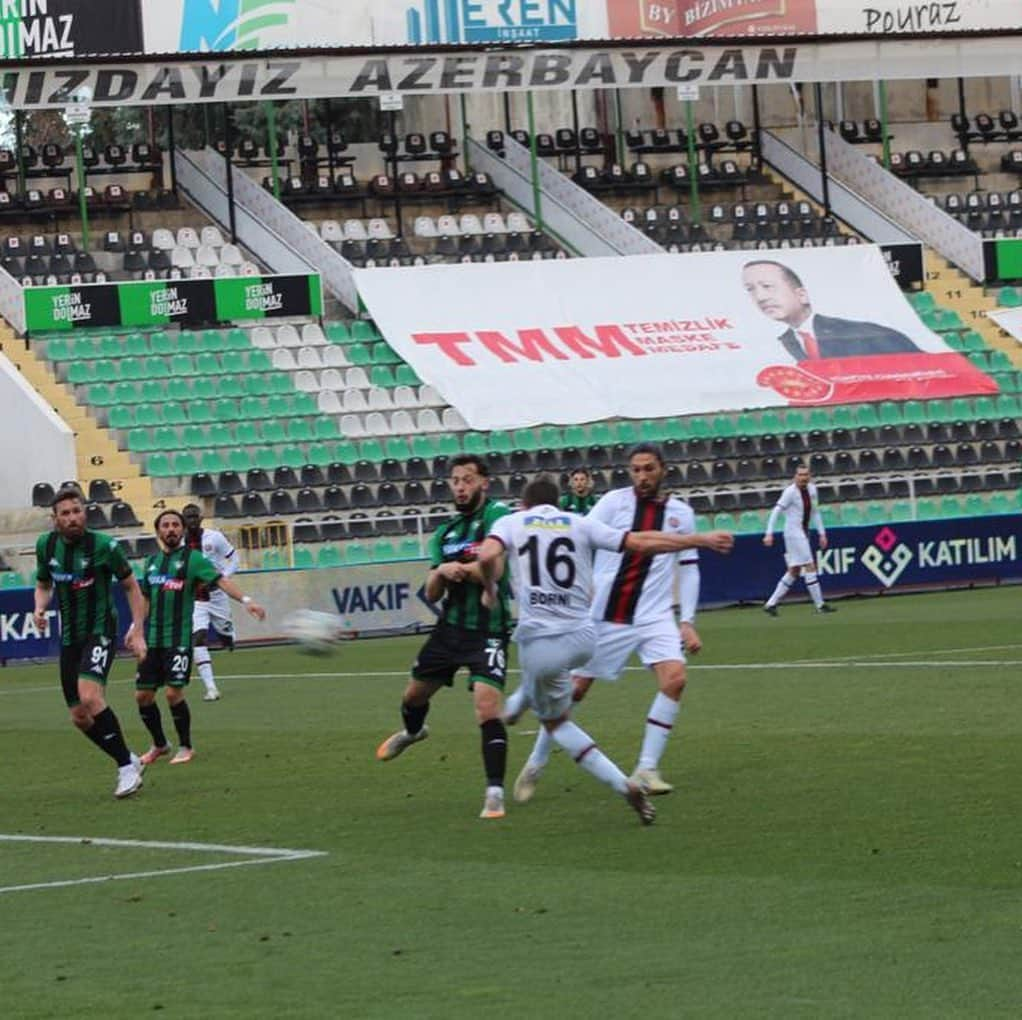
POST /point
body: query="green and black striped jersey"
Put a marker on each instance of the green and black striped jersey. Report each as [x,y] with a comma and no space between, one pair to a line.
[169,582]
[83,573]
[578,504]
[457,541]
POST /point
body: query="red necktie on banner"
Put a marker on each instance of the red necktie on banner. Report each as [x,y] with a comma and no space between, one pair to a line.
[812,348]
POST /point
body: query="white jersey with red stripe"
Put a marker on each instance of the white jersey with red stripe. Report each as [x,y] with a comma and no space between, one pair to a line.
[638,589]
[550,553]
[797,515]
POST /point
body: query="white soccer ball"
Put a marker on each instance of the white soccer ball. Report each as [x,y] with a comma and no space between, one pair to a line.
[316,633]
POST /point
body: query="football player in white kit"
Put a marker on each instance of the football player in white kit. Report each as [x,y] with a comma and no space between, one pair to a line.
[800,504]
[633,611]
[213,607]
[551,552]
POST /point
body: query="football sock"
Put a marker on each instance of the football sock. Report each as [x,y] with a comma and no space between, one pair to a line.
[182,717]
[813,587]
[494,751]
[540,753]
[782,589]
[153,723]
[583,749]
[414,717]
[659,722]
[204,667]
[106,734]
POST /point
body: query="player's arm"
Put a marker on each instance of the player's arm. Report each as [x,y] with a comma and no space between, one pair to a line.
[688,589]
[821,531]
[768,538]
[492,561]
[231,590]
[229,555]
[649,543]
[134,639]
[43,594]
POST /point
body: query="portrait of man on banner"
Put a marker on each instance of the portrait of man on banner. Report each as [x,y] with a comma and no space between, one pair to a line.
[779,293]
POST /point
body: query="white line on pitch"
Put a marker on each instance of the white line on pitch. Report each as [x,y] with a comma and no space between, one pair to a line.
[254,855]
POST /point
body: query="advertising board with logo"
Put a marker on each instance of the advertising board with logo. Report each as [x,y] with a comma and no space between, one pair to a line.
[878,558]
[68,28]
[589,339]
[159,302]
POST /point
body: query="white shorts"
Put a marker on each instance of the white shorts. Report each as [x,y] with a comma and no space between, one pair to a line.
[797,551]
[656,641]
[546,664]
[215,611]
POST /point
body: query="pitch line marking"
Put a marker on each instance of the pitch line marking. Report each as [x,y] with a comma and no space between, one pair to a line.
[252,854]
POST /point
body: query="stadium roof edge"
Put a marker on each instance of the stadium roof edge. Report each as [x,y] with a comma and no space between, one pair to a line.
[646,42]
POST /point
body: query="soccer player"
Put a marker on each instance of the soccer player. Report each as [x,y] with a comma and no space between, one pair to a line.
[170,580]
[579,498]
[800,504]
[468,633]
[211,606]
[551,553]
[81,565]
[633,610]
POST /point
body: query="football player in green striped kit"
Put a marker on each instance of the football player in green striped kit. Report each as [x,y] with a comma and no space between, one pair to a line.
[81,565]
[467,634]
[169,582]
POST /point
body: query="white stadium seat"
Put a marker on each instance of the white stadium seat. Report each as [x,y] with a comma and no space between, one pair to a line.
[163,239]
[308,357]
[428,397]
[424,226]
[331,379]
[312,335]
[493,223]
[402,423]
[357,379]
[330,230]
[334,356]
[452,420]
[187,238]
[199,273]
[182,258]
[205,255]
[376,424]
[328,402]
[355,401]
[230,255]
[306,382]
[447,226]
[355,230]
[283,359]
[351,426]
[262,337]
[287,336]
[469,224]
[211,236]
[428,420]
[404,396]
[379,399]
[222,271]
[380,228]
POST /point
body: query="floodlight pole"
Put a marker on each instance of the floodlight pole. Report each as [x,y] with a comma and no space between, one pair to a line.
[962,110]
[757,128]
[463,107]
[228,143]
[271,132]
[822,136]
[695,212]
[83,205]
[882,97]
[19,120]
[537,206]
[172,147]
[574,124]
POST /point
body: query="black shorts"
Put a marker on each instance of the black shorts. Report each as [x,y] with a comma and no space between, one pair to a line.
[90,659]
[449,648]
[170,666]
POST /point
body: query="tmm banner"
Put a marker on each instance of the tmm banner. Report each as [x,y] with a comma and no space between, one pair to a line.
[514,344]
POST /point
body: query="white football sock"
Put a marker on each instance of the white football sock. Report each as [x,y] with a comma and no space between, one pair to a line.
[542,749]
[204,667]
[782,589]
[659,722]
[583,749]
[813,587]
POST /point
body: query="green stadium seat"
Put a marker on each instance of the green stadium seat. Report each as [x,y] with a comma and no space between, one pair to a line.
[273,430]
[900,511]
[359,354]
[230,386]
[913,412]
[150,415]
[215,341]
[12,579]
[382,550]
[81,373]
[625,432]
[110,346]
[160,342]
[185,463]
[58,349]
[237,340]
[85,349]
[240,460]
[1000,503]
[158,465]
[382,376]
[875,513]
[961,408]
[302,558]
[952,506]
[280,382]
[703,523]
[750,523]
[356,552]
[1007,405]
[500,442]
[127,392]
[201,412]
[259,361]
[724,522]
[410,549]
[346,452]
[1009,297]
[922,301]
[976,505]
[273,559]
[889,413]
[427,446]
[526,439]
[866,415]
[972,341]
[326,428]
[299,430]
[1000,362]
[851,515]
[319,454]
[337,332]
[475,442]
[449,445]
[304,404]
[166,438]
[399,448]
[404,375]
[100,394]
[213,461]
[174,413]
[364,331]
[221,435]
[121,417]
[371,449]
[154,367]
[140,441]
[267,458]
[927,510]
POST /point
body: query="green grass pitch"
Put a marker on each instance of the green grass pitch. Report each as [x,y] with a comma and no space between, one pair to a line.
[845,840]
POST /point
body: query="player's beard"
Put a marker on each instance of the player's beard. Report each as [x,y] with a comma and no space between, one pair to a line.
[472,505]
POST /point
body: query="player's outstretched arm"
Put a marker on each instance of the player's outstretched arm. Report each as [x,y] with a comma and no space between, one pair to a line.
[43,594]
[227,586]
[491,561]
[649,543]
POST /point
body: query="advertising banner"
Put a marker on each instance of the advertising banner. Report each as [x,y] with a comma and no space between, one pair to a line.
[198,26]
[69,28]
[516,344]
[159,302]
[876,559]
[1009,319]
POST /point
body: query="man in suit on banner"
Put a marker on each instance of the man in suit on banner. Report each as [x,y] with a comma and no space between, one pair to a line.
[778,292]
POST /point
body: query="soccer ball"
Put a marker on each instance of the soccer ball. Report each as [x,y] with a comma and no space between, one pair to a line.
[316,633]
